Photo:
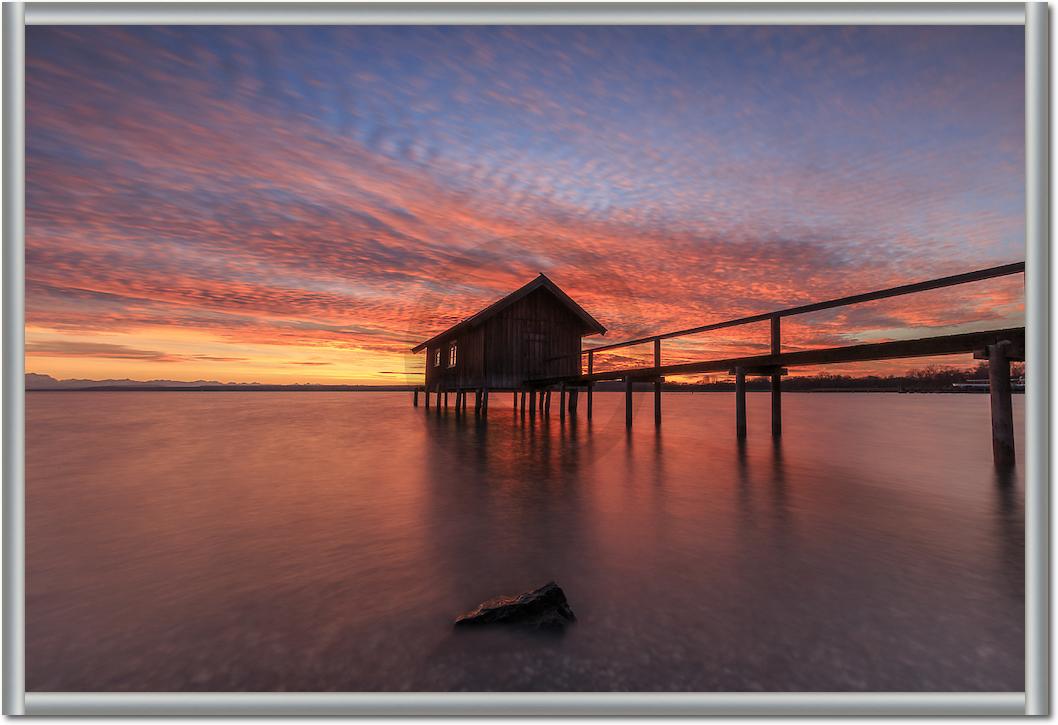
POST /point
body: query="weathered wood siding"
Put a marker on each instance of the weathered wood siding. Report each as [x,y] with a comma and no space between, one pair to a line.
[524,340]
[534,337]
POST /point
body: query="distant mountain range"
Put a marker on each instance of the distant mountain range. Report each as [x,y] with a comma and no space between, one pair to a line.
[36,381]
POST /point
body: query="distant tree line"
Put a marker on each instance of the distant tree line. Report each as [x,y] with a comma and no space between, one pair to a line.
[932,378]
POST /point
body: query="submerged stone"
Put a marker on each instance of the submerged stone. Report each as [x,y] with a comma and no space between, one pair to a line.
[545,607]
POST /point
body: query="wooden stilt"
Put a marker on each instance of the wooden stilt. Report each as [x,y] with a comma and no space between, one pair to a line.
[573,401]
[776,403]
[477,401]
[776,378]
[547,402]
[740,402]
[532,402]
[485,401]
[514,403]
[446,400]
[1002,405]
[657,384]
[628,402]
[426,394]
[562,401]
[415,398]
[591,369]
[521,403]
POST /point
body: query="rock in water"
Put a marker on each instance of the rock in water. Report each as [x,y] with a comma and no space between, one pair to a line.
[545,607]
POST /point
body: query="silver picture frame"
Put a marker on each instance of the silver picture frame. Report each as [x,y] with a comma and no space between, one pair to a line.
[1036,698]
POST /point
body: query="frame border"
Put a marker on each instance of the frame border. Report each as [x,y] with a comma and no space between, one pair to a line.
[1037,344]
[1035,700]
[13,296]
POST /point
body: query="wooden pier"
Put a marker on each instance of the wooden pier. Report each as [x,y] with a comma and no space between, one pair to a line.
[999,347]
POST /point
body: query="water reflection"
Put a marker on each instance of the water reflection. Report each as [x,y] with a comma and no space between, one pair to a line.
[308,542]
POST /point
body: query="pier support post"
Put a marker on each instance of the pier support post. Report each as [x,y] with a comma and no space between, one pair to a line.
[776,403]
[628,401]
[657,383]
[573,401]
[1002,405]
[485,400]
[740,402]
[477,401]
[562,401]
[521,402]
[426,395]
[547,402]
[514,403]
[532,402]
[446,400]
[591,369]
[415,398]
[776,378]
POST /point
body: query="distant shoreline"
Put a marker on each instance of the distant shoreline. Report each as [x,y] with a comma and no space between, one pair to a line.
[368,389]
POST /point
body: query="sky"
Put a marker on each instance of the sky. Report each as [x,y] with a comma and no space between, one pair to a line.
[303,204]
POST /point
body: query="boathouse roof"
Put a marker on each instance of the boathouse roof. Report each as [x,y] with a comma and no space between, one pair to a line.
[591,325]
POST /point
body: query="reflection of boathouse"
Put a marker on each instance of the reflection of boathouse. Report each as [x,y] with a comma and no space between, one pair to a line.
[534,332]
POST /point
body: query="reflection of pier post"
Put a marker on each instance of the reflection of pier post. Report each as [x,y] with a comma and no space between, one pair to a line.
[740,402]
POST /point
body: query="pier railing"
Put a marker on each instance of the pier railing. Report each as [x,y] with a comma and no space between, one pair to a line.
[776,316]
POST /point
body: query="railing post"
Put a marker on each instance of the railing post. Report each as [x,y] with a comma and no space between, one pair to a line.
[657,383]
[1002,406]
[740,402]
[776,378]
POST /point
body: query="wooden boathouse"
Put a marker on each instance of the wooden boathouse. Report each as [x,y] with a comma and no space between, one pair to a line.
[534,332]
[530,342]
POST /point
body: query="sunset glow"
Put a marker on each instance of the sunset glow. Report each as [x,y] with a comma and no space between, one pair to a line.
[289,205]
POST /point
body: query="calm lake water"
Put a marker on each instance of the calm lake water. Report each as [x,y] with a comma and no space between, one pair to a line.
[325,541]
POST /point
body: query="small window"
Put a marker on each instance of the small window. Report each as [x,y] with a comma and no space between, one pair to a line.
[452,356]
[437,358]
